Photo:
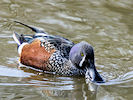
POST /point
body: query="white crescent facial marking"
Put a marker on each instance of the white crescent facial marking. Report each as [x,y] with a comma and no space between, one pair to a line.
[82,61]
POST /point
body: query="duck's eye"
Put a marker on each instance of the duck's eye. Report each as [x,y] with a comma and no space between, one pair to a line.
[82,54]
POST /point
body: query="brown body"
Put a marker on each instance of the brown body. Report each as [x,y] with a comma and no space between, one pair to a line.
[35,55]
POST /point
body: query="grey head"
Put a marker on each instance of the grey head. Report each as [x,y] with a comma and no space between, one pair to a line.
[82,56]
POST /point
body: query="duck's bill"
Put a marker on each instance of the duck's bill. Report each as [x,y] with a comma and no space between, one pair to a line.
[93,76]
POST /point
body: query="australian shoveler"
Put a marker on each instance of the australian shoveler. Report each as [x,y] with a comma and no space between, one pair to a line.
[56,54]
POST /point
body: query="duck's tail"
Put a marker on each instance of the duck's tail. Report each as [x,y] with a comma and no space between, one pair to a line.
[26,38]
[19,39]
[36,30]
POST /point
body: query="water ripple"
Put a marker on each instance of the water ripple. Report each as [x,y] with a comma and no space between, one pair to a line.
[125,80]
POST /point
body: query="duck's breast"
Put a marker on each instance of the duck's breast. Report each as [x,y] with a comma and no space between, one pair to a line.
[35,55]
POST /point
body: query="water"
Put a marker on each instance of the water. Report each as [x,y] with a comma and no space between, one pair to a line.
[105,24]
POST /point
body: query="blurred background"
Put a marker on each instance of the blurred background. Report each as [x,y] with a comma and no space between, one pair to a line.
[106,24]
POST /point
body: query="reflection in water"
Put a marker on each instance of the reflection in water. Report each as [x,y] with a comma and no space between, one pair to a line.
[75,94]
[58,86]
[66,87]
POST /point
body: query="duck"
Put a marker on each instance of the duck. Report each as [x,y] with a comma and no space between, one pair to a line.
[56,54]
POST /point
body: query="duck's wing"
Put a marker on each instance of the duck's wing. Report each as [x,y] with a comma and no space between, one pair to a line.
[60,43]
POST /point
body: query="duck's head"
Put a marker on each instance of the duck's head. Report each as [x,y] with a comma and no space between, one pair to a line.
[82,57]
